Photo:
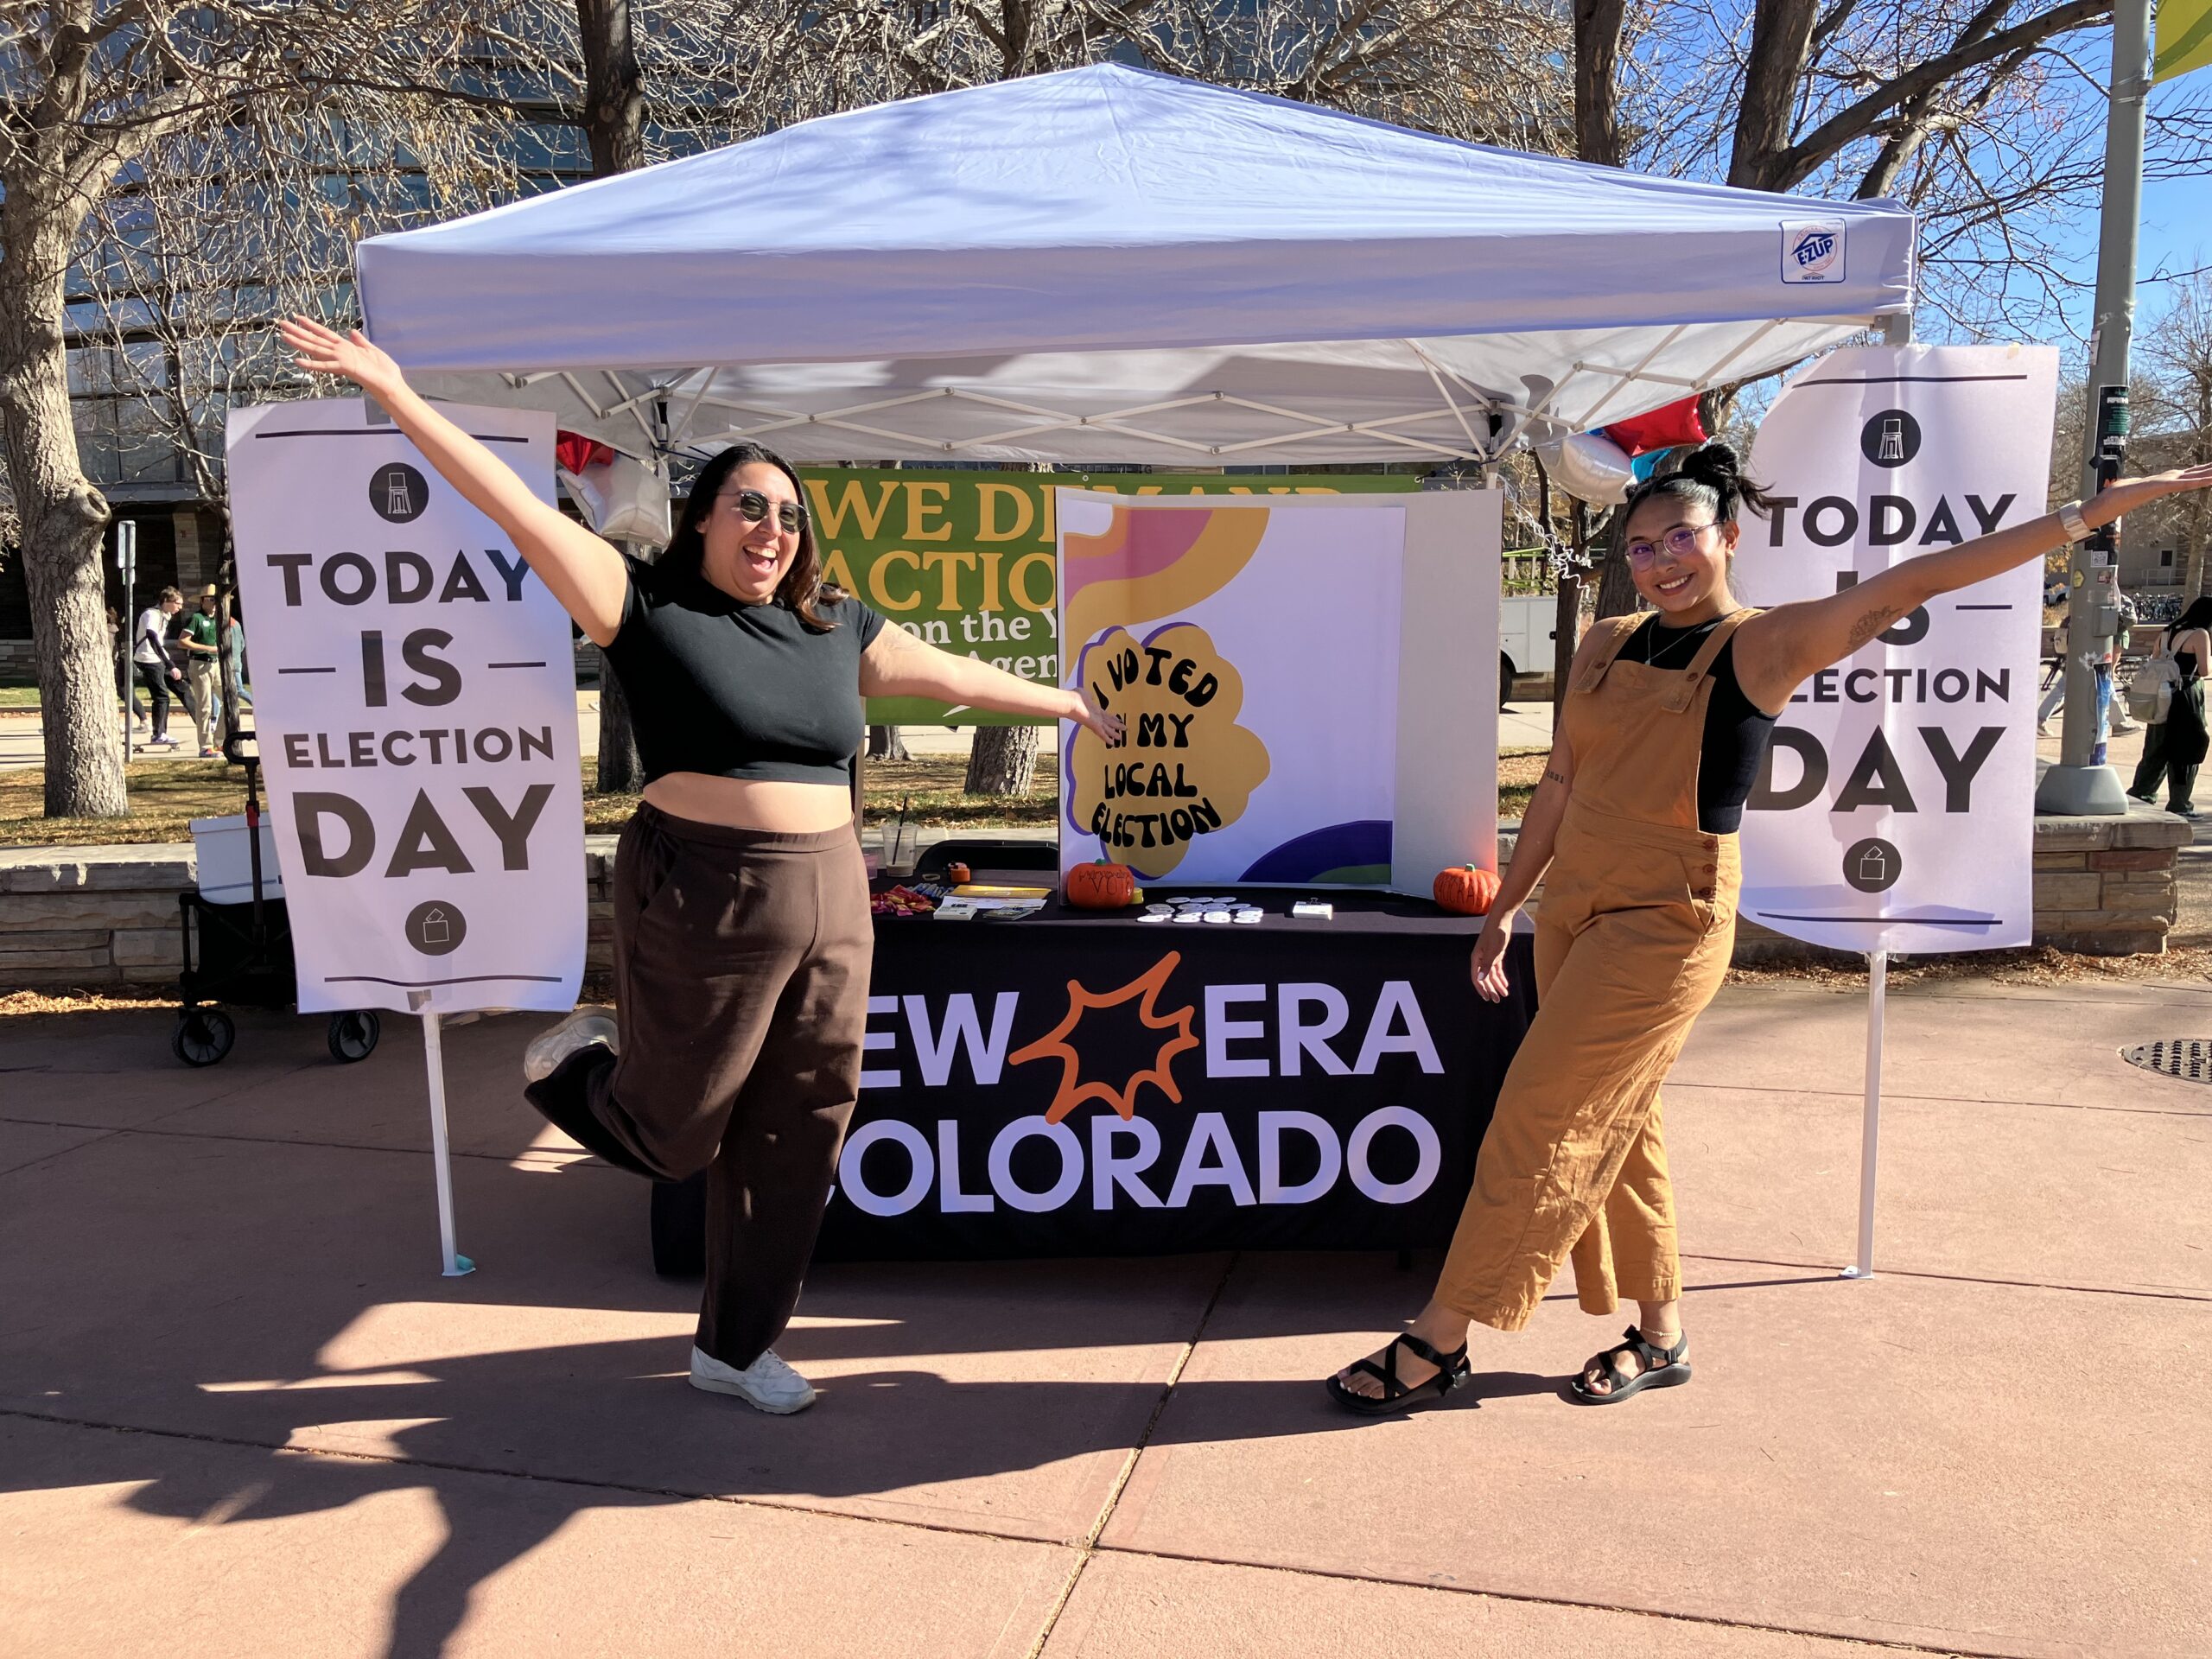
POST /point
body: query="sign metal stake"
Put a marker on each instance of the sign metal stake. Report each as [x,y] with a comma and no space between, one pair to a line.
[433,1058]
[1869,1142]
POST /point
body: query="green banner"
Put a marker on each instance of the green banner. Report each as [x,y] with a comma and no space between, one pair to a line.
[963,559]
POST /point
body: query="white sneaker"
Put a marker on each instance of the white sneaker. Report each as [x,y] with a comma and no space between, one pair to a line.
[592,1023]
[767,1384]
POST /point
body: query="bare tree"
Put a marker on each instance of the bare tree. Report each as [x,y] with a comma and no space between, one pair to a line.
[94,89]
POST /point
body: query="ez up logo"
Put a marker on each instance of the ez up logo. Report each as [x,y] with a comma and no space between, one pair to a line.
[1812,251]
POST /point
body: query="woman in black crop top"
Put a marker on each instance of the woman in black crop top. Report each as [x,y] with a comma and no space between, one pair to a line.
[1664,725]
[2174,747]
[742,937]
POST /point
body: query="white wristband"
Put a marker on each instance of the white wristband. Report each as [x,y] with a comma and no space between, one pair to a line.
[2077,527]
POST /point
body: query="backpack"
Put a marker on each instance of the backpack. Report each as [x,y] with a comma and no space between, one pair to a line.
[2150,693]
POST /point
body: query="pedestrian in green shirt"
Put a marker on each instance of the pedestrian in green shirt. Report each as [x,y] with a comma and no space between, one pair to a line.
[203,654]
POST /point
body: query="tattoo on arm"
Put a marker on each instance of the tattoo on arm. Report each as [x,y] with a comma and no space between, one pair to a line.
[1870,625]
[1554,775]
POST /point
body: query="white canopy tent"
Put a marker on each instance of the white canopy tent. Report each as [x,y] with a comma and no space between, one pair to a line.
[1108,266]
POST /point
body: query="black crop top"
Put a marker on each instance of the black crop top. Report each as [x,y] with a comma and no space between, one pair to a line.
[736,690]
[1736,732]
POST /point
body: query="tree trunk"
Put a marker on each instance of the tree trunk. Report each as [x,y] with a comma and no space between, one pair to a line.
[615,95]
[884,743]
[1003,761]
[63,516]
[1616,593]
[1782,35]
[614,115]
[1597,58]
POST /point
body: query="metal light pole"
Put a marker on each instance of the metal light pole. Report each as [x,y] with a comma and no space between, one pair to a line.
[126,564]
[2083,783]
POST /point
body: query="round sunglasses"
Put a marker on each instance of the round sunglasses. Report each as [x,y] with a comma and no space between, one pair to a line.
[752,507]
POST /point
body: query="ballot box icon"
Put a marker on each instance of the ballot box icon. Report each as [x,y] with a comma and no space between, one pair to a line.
[436,927]
[1872,865]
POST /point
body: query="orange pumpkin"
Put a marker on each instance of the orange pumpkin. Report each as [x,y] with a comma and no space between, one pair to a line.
[1466,890]
[1101,886]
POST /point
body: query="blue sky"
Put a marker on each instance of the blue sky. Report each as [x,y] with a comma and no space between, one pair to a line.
[2177,230]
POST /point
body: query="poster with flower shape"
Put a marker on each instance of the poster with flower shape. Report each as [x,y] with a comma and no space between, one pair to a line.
[1252,650]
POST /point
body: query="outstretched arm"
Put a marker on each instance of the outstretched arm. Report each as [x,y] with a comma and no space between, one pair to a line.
[1777,651]
[584,573]
[896,664]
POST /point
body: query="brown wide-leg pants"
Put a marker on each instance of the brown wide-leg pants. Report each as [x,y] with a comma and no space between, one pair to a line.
[742,965]
[1634,934]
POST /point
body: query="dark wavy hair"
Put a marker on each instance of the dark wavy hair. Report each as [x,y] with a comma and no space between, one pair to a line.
[802,587]
[2198,615]
[1709,476]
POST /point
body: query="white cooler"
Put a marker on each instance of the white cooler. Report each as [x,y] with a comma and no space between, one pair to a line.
[225,862]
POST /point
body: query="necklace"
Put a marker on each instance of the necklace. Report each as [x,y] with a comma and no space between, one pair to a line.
[1654,657]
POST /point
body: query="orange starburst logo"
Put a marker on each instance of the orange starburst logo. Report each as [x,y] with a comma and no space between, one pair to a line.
[1145,990]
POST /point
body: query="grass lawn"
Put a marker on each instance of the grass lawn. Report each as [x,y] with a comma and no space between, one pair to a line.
[18,696]
[167,795]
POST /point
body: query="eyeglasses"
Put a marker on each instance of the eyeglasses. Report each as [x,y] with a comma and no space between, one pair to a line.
[1678,544]
[752,507]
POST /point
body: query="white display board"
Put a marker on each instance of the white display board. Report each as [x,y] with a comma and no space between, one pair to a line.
[1895,810]
[1310,686]
[415,702]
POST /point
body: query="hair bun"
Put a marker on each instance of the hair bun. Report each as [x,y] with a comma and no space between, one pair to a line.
[1714,463]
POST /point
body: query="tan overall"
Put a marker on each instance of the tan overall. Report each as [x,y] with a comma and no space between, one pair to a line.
[1633,934]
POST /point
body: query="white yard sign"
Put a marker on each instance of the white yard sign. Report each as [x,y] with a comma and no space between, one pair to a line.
[1896,811]
[415,699]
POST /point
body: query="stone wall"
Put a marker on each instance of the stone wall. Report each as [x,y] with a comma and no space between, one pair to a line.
[108,915]
[91,915]
[2108,884]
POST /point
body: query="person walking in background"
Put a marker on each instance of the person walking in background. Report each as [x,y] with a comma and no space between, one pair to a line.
[2122,722]
[201,639]
[234,653]
[149,660]
[2174,747]
[126,688]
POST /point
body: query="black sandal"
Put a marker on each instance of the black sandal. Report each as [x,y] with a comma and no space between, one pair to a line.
[1396,1395]
[1663,1368]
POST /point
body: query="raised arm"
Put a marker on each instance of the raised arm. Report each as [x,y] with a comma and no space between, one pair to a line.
[896,664]
[579,569]
[1776,652]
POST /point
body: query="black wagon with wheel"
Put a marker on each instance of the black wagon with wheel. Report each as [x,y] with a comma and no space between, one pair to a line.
[238,951]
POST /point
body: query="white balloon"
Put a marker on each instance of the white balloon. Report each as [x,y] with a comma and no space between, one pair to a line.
[1589,466]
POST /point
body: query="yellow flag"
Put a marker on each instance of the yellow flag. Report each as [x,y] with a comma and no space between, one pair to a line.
[2183,42]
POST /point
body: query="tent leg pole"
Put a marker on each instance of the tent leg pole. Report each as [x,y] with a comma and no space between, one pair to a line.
[441,1149]
[1870,1141]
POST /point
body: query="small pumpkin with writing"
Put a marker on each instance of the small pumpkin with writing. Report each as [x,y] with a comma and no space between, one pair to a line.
[1103,886]
[1466,889]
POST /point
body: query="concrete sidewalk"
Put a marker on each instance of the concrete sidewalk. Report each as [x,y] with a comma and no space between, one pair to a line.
[241,1413]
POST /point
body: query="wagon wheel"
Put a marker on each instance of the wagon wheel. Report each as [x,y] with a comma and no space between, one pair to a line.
[202,1036]
[353,1035]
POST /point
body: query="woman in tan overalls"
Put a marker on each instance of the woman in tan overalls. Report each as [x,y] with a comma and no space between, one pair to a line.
[1667,720]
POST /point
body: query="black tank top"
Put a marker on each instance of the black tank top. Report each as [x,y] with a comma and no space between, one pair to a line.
[1736,732]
